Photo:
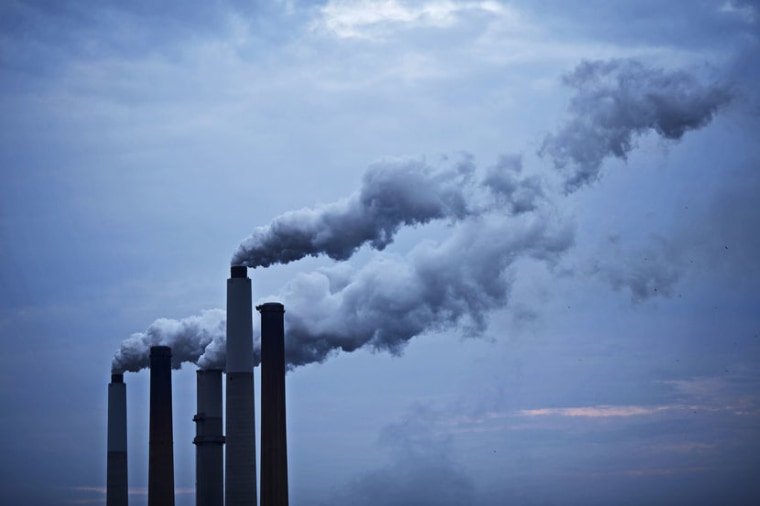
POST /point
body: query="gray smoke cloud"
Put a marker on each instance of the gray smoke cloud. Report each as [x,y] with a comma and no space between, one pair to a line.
[619,100]
[436,286]
[390,197]
[496,221]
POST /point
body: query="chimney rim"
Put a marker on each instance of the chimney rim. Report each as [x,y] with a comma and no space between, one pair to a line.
[271,306]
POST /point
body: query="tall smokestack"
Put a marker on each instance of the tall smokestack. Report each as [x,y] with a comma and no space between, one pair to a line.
[274,450]
[116,481]
[161,451]
[240,457]
[209,441]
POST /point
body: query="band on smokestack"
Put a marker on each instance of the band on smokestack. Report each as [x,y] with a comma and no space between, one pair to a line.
[116,471]
[274,452]
[161,451]
[240,456]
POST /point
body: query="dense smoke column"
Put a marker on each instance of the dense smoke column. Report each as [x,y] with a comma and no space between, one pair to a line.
[116,481]
[161,455]
[209,441]
[240,457]
[274,448]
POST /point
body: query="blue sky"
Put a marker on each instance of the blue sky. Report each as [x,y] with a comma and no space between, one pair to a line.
[587,332]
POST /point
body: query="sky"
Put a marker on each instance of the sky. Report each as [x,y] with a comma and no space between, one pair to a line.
[516,241]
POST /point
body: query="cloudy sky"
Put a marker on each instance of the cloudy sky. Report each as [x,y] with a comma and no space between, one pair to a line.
[517,242]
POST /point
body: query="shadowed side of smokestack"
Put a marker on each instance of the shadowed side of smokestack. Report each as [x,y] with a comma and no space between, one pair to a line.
[274,449]
[240,456]
[116,471]
[209,441]
[161,448]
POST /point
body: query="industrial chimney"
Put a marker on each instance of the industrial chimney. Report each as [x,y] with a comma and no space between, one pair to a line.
[240,457]
[274,451]
[161,451]
[116,470]
[209,441]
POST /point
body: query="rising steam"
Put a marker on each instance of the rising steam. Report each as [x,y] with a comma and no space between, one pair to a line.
[619,100]
[496,221]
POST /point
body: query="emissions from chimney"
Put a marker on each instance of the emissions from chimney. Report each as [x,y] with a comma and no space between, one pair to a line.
[161,451]
[116,481]
[240,457]
[274,451]
[209,441]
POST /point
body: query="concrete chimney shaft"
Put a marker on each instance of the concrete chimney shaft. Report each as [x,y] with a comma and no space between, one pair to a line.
[161,448]
[116,471]
[274,451]
[209,441]
[240,455]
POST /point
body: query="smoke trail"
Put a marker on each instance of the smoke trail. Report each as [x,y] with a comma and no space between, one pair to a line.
[391,196]
[198,339]
[619,100]
[437,286]
[496,221]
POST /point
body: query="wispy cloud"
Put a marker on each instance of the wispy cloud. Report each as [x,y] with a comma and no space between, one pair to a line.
[349,19]
[596,411]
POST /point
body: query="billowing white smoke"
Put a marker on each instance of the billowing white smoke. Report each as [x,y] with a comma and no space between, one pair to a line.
[496,220]
[197,339]
[619,100]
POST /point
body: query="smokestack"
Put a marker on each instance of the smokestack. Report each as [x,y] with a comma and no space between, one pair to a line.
[161,454]
[240,457]
[209,441]
[116,481]
[274,451]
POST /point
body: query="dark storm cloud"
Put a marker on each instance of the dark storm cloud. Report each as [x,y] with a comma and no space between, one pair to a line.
[617,101]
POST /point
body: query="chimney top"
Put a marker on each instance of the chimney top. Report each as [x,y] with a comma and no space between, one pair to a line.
[117,378]
[271,306]
[238,271]
[161,350]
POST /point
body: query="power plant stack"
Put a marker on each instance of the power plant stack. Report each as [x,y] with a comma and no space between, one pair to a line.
[240,457]
[116,471]
[209,441]
[274,451]
[161,447]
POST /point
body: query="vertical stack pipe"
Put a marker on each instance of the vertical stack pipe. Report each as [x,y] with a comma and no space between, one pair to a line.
[116,470]
[161,451]
[274,451]
[209,441]
[240,456]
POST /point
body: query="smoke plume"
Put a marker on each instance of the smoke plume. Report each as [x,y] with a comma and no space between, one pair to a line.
[619,100]
[390,197]
[496,221]
[198,339]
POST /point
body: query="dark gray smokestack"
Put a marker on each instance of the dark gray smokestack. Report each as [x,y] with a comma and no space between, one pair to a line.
[240,457]
[209,441]
[161,451]
[274,449]
[116,481]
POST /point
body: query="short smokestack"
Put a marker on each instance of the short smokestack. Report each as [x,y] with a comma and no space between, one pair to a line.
[240,457]
[116,471]
[161,448]
[209,441]
[274,450]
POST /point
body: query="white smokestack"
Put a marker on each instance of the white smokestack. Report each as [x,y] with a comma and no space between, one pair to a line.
[240,457]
